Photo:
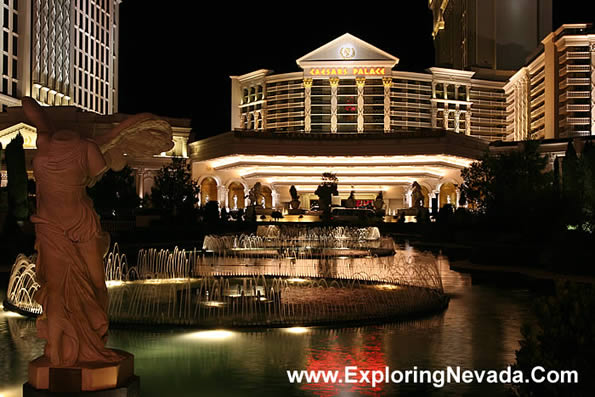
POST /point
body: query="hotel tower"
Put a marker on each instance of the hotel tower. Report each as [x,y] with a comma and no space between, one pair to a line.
[60,52]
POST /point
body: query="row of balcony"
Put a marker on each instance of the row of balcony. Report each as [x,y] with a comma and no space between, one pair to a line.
[574,55]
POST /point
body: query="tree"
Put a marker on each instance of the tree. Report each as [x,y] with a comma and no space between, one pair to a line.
[211,213]
[115,193]
[588,160]
[509,183]
[17,178]
[560,336]
[174,190]
[572,185]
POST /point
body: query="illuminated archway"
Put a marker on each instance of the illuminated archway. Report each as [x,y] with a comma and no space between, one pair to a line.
[208,190]
[448,194]
[235,198]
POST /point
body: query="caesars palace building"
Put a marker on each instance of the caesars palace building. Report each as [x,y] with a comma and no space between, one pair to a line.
[348,110]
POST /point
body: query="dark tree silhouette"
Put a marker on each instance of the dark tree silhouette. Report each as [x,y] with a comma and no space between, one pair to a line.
[174,191]
[115,193]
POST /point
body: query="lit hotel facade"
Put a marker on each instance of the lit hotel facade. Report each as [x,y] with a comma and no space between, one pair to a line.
[348,111]
[62,53]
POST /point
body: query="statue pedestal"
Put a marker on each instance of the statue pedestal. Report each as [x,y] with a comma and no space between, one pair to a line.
[97,379]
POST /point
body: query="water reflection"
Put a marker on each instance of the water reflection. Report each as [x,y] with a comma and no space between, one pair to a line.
[479,330]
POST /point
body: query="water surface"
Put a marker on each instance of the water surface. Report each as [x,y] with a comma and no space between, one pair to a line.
[479,330]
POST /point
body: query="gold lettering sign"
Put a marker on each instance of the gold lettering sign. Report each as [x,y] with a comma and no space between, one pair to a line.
[328,71]
[368,71]
[352,71]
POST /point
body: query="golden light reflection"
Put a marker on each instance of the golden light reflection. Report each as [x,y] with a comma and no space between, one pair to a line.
[297,330]
[387,287]
[211,335]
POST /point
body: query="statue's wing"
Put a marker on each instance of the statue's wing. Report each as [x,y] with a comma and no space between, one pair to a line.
[138,136]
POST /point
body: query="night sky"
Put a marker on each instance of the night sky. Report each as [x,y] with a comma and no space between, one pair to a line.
[176,61]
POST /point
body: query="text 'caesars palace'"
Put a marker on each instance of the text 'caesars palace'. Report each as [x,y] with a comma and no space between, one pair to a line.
[348,109]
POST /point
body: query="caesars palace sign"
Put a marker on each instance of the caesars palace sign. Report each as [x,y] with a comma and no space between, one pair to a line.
[347,71]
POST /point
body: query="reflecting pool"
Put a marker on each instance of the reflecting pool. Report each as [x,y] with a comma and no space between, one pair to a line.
[480,329]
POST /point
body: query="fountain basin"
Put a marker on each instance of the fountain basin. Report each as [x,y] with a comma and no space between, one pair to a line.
[252,301]
[290,276]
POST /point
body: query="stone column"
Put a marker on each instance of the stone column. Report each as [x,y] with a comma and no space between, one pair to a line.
[407,198]
[361,82]
[457,118]
[275,196]
[435,194]
[249,121]
[445,119]
[468,120]
[521,107]
[387,83]
[222,196]
[307,105]
[434,114]
[334,81]
[445,85]
[140,183]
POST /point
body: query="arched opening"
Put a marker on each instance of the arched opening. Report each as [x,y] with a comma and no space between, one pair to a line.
[236,196]
[448,194]
[267,196]
[208,190]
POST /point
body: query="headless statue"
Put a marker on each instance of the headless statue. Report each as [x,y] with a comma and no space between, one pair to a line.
[69,240]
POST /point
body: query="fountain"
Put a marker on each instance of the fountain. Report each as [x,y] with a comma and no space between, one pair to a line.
[22,286]
[280,276]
